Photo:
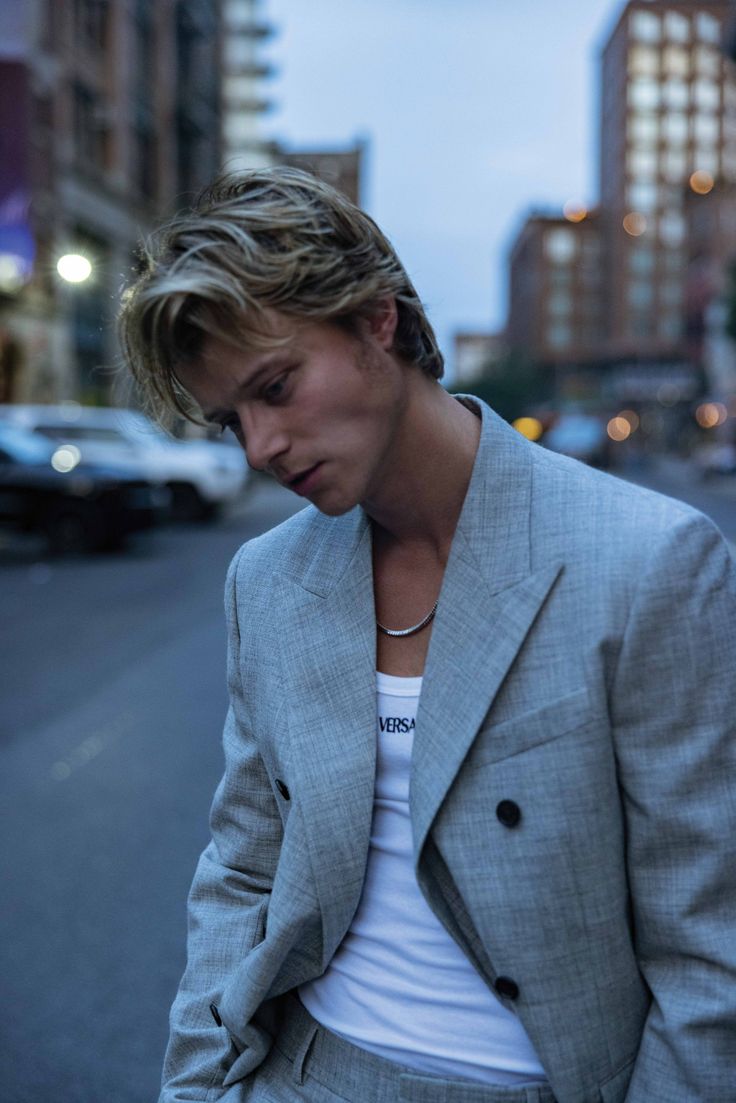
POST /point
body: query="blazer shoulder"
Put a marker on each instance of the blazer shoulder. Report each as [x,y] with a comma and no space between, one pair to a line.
[289,548]
[603,503]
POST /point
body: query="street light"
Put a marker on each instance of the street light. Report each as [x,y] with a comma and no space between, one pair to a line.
[74,268]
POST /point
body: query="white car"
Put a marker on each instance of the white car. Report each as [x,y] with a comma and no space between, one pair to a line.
[203,476]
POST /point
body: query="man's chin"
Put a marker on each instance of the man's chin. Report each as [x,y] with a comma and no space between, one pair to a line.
[332,507]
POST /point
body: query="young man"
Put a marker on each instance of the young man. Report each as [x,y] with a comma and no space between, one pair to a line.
[474,837]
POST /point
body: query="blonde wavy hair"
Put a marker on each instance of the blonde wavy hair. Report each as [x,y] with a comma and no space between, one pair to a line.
[274,239]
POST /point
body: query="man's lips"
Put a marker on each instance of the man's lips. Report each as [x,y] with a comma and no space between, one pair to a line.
[301,482]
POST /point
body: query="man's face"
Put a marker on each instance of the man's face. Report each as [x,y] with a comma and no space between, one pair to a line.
[321,413]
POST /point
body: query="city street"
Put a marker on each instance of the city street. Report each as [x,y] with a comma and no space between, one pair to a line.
[113,699]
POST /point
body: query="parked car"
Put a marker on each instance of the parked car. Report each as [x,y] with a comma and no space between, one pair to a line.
[203,476]
[45,487]
[581,436]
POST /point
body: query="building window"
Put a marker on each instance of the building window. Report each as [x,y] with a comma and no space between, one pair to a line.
[674,165]
[644,93]
[645,26]
[706,94]
[641,259]
[707,160]
[675,128]
[670,293]
[677,27]
[559,335]
[91,18]
[560,245]
[676,61]
[707,62]
[642,197]
[643,61]
[706,129]
[90,129]
[670,325]
[672,228]
[145,166]
[642,164]
[641,324]
[708,28]
[559,304]
[560,277]
[640,294]
[676,93]
[672,260]
[644,129]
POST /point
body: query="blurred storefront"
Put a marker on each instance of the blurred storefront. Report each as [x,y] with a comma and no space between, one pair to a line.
[109,111]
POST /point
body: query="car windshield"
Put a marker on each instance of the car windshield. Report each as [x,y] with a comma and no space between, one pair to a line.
[24,446]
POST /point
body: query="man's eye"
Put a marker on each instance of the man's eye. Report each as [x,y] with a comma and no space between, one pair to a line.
[275,390]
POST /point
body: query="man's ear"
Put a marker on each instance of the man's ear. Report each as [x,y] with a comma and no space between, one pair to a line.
[382,322]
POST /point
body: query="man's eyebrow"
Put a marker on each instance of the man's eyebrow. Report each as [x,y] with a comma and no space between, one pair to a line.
[247,385]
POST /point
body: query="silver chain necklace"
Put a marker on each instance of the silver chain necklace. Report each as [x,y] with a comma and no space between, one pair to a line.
[407,631]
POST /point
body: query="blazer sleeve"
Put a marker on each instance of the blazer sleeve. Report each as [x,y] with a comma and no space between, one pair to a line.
[229,895]
[673,706]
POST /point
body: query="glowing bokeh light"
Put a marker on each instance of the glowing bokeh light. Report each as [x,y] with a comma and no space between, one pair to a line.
[74,268]
[635,223]
[711,414]
[574,212]
[618,428]
[66,458]
[529,427]
[702,182]
[12,276]
[632,417]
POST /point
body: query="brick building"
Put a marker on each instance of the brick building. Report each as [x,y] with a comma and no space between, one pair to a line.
[110,111]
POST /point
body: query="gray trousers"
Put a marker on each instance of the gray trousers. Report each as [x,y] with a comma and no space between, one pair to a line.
[308,1064]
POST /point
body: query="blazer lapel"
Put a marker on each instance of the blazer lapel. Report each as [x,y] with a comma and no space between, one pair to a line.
[489,599]
[329,662]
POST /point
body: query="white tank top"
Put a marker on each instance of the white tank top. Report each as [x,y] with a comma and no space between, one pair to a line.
[398,984]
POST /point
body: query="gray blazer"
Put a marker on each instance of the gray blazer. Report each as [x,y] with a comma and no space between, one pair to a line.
[580,667]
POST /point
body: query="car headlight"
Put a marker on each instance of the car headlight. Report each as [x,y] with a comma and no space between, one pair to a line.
[65,458]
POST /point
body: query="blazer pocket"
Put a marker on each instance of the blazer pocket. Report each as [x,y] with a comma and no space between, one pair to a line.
[496,742]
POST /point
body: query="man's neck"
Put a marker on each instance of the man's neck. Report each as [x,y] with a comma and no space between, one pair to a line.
[421,497]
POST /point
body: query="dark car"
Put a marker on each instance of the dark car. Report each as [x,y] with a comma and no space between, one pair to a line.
[45,488]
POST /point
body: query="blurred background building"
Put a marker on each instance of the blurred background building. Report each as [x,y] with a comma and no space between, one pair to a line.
[110,116]
[244,69]
[627,304]
[113,114]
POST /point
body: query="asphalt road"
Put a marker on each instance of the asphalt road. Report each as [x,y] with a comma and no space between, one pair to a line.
[113,697]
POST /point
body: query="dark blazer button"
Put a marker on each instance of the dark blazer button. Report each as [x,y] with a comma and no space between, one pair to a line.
[282,788]
[215,1014]
[508,813]
[507,987]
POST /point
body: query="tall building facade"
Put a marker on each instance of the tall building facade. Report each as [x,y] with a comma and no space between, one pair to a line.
[665,227]
[244,71]
[110,117]
[555,302]
[667,132]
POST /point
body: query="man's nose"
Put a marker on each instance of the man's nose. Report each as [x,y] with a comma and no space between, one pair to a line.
[264,440]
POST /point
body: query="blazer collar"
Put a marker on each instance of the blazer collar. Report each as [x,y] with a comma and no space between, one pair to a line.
[489,598]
